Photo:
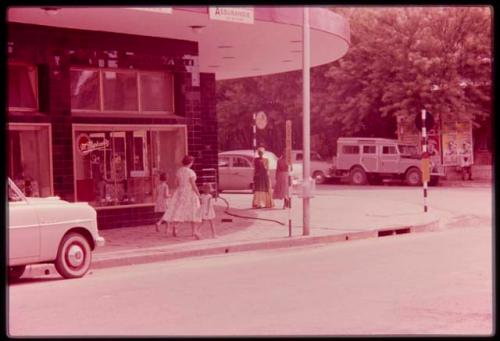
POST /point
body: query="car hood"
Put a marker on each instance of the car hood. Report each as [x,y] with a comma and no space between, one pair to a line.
[53,200]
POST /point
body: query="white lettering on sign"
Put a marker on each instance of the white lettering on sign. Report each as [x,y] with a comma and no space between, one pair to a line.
[164,10]
[234,14]
[86,145]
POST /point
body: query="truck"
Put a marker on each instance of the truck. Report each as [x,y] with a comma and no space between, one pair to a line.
[364,160]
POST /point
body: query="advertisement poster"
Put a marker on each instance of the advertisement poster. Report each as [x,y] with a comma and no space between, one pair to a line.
[450,151]
[457,142]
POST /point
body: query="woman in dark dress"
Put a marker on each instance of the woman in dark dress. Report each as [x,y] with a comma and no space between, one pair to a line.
[262,184]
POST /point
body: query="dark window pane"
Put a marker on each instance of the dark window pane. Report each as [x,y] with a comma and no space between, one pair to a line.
[84,89]
[157,92]
[120,91]
[22,86]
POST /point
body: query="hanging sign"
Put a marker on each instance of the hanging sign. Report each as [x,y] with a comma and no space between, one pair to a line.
[243,15]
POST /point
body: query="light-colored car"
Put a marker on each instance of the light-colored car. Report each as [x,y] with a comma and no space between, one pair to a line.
[320,169]
[50,230]
[236,169]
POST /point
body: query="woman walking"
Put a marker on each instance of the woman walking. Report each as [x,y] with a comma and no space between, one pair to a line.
[281,188]
[261,182]
[185,201]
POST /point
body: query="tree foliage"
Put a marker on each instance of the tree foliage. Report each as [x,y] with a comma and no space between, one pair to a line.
[400,61]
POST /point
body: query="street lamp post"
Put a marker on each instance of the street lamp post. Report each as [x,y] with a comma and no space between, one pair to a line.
[306,122]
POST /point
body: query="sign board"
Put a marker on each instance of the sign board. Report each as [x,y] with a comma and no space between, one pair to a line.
[243,15]
[163,10]
[261,120]
[429,121]
[85,145]
[288,141]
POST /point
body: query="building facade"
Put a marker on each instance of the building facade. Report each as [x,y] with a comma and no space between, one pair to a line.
[97,116]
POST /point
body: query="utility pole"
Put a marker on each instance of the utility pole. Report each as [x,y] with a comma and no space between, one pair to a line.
[306,148]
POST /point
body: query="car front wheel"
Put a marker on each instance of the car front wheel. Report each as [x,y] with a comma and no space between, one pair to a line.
[414,177]
[358,176]
[74,256]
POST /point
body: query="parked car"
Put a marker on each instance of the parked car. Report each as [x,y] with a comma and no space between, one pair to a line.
[50,230]
[365,160]
[236,169]
[320,169]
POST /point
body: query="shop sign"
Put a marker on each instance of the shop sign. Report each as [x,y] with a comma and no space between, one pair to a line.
[163,10]
[85,145]
[243,15]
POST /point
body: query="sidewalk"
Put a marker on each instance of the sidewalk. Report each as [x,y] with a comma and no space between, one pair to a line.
[334,218]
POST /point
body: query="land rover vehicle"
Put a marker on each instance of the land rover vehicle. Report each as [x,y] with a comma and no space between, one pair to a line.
[50,230]
[370,160]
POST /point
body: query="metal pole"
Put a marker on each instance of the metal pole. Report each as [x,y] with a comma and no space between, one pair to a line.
[254,136]
[306,121]
[424,155]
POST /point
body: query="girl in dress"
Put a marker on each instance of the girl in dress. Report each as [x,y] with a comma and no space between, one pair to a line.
[162,195]
[207,208]
[184,205]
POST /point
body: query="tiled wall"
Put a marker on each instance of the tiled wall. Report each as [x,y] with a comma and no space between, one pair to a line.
[54,50]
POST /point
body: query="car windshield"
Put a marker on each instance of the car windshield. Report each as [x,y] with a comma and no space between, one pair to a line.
[408,149]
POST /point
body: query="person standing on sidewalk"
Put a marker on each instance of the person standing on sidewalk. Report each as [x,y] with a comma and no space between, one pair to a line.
[261,183]
[281,188]
[184,205]
[207,208]
[162,195]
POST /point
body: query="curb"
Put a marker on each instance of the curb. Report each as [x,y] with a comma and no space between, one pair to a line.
[159,255]
[165,255]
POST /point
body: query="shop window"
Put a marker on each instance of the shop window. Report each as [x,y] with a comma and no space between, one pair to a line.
[121,165]
[29,158]
[22,87]
[85,89]
[121,91]
[157,92]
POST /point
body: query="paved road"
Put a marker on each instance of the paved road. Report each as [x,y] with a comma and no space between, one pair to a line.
[429,283]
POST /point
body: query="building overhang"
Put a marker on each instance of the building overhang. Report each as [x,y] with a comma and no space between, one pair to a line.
[271,44]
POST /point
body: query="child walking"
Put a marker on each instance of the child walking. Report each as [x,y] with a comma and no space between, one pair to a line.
[162,195]
[207,208]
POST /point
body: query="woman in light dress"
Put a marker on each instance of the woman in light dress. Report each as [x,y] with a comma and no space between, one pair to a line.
[184,205]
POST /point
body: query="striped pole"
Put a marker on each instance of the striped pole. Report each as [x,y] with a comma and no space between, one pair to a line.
[254,135]
[424,155]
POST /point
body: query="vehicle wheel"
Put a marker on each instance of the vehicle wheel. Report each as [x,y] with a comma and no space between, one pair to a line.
[413,177]
[319,177]
[15,272]
[74,256]
[358,176]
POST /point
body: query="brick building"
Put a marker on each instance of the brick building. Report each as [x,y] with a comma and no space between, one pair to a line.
[103,100]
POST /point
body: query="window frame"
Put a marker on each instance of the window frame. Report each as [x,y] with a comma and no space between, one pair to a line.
[34,69]
[140,112]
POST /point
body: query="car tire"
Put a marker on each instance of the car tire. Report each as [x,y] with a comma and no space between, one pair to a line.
[319,177]
[357,176]
[74,256]
[15,272]
[413,177]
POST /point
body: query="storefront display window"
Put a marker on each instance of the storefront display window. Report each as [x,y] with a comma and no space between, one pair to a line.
[23,94]
[85,89]
[120,165]
[105,90]
[29,158]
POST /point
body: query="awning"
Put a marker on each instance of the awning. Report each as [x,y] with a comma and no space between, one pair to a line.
[272,43]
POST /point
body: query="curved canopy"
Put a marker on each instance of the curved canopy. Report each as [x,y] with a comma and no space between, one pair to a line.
[271,43]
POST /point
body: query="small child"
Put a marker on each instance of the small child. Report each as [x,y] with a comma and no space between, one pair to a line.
[207,208]
[162,195]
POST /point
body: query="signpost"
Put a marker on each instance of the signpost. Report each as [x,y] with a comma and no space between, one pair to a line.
[425,155]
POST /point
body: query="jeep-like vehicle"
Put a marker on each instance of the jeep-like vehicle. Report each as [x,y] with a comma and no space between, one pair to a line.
[370,160]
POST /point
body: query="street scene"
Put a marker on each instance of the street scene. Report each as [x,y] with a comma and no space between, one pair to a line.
[165,177]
